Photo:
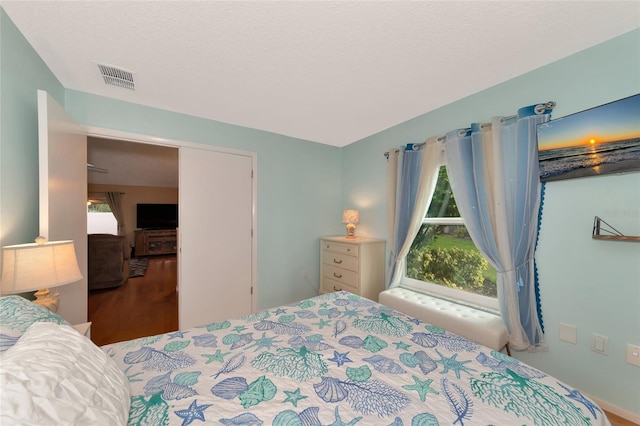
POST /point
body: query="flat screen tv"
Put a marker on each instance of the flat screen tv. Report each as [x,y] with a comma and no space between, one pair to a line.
[157,216]
[598,141]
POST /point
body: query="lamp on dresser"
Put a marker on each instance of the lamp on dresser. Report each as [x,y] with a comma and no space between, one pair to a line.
[351,218]
[39,266]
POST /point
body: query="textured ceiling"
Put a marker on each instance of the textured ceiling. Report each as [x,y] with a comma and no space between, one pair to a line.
[330,72]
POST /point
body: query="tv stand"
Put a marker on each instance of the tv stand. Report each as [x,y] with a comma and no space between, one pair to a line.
[156,241]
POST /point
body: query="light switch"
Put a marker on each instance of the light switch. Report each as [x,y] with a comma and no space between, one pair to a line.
[568,333]
[600,344]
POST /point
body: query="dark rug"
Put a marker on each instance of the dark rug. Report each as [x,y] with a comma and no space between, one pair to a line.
[138,266]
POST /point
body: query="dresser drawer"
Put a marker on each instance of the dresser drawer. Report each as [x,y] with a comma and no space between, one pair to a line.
[355,265]
[340,260]
[328,285]
[351,249]
[343,276]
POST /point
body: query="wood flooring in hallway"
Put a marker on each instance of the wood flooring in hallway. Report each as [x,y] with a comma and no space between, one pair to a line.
[143,306]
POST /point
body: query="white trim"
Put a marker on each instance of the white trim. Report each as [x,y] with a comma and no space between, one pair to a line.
[101,132]
[43,166]
[443,221]
[106,133]
[625,414]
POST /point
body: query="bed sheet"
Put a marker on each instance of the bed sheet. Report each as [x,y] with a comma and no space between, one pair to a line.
[337,359]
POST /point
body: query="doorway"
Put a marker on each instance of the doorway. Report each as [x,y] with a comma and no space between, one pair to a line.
[215,182]
[217,186]
[140,174]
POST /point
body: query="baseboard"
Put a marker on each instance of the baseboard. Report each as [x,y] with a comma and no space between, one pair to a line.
[627,415]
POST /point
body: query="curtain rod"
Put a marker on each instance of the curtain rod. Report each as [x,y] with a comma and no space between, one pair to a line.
[439,139]
[539,109]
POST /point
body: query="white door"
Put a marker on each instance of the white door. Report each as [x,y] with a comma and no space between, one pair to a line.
[62,146]
[215,220]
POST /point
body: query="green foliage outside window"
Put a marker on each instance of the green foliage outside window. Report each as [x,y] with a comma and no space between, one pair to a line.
[98,208]
[442,205]
[453,267]
[445,254]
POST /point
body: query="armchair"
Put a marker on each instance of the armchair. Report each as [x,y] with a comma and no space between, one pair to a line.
[108,260]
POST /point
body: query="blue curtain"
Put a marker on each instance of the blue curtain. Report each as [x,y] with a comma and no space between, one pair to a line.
[417,174]
[494,175]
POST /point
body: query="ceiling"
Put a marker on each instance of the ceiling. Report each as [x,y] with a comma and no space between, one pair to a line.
[331,72]
[130,163]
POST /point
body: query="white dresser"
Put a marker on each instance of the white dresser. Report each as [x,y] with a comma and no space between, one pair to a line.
[355,265]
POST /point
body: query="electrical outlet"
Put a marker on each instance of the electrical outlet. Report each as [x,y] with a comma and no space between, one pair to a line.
[305,275]
[568,333]
[633,355]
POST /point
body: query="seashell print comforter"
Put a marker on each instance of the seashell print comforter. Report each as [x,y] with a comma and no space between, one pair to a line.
[337,359]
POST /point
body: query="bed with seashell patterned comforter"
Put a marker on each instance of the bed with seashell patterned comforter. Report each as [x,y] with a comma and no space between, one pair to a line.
[337,359]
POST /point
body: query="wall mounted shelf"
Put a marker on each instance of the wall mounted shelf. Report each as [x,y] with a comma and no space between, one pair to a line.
[612,233]
[616,237]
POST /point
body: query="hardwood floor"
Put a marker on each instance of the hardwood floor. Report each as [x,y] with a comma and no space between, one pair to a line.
[619,421]
[143,306]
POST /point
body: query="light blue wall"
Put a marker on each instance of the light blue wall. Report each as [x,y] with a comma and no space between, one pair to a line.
[298,181]
[593,285]
[298,186]
[22,72]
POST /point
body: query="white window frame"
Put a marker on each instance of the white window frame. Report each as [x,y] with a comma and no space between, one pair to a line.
[458,296]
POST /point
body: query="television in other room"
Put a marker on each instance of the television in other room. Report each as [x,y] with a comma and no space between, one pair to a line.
[598,141]
[157,216]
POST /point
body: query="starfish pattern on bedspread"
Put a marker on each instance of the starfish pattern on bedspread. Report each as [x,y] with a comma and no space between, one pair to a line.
[337,359]
[422,387]
[194,412]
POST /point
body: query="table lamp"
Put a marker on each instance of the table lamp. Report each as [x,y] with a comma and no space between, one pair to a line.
[351,218]
[39,266]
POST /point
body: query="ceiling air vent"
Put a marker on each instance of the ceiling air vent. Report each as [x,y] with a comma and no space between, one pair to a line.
[116,76]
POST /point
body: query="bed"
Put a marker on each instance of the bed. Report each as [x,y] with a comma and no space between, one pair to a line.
[335,359]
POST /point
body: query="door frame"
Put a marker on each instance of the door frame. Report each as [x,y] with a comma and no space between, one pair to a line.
[62,159]
[106,133]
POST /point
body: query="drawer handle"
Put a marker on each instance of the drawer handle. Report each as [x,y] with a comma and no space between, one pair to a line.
[337,275]
[337,261]
[348,249]
[336,288]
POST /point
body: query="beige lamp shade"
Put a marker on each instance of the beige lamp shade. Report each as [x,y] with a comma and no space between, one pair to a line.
[351,216]
[28,267]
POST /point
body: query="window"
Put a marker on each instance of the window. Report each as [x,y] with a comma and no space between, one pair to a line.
[100,220]
[443,259]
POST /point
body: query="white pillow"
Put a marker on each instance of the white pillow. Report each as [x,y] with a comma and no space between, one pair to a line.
[55,376]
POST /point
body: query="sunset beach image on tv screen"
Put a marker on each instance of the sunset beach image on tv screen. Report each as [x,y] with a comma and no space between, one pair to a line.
[598,141]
